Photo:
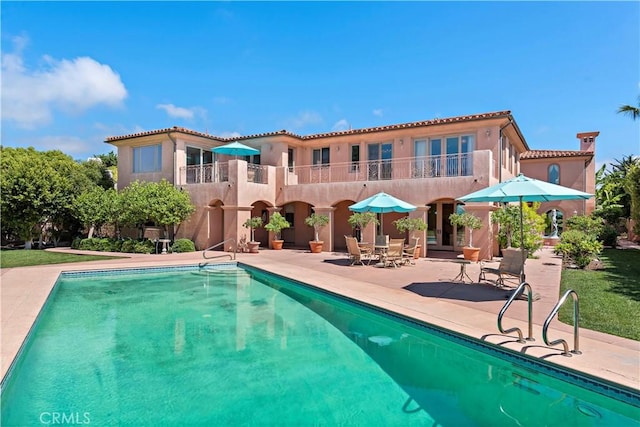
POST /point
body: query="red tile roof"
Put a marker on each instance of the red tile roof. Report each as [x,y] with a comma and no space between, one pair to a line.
[546,154]
[458,119]
[167,130]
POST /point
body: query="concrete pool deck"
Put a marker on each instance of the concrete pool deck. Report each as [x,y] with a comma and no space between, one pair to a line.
[423,291]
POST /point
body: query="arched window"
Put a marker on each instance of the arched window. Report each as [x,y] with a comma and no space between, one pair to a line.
[553,175]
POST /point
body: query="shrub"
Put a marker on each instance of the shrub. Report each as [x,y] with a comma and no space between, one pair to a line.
[89,244]
[183,245]
[587,224]
[578,247]
[75,244]
[144,247]
[104,245]
[608,236]
[128,246]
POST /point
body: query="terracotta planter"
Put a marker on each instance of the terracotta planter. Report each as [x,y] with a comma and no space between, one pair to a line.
[471,254]
[316,247]
[253,247]
[277,244]
[416,253]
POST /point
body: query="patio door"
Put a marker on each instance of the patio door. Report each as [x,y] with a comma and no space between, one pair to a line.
[379,158]
[441,235]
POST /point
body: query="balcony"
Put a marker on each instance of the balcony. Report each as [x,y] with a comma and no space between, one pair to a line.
[219,172]
[452,165]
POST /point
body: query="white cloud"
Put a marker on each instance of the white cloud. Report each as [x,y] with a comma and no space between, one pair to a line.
[30,96]
[181,112]
[341,124]
[228,134]
[377,112]
[304,118]
[173,111]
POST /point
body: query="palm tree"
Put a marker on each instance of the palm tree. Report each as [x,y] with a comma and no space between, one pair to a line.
[630,110]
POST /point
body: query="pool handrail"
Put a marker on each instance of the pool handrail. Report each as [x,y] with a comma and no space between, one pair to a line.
[229,240]
[576,328]
[513,296]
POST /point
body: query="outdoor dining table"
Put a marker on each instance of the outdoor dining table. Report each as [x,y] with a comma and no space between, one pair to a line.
[381,251]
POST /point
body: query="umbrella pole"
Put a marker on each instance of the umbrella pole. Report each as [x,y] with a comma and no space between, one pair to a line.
[522,276]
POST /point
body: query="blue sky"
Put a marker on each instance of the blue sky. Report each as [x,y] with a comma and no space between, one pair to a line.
[74,73]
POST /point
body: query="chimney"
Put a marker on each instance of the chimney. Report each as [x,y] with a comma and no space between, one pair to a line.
[588,140]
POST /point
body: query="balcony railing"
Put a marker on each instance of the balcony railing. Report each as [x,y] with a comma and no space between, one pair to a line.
[219,172]
[257,174]
[451,165]
[210,172]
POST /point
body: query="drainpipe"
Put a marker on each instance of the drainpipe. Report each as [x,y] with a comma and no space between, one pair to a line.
[500,147]
[175,149]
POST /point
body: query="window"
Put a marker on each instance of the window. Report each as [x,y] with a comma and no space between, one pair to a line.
[321,156]
[255,159]
[380,156]
[553,175]
[291,159]
[198,156]
[147,158]
[420,168]
[196,159]
[355,158]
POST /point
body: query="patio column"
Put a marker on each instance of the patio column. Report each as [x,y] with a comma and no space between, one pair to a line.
[483,238]
[421,212]
[326,234]
[234,217]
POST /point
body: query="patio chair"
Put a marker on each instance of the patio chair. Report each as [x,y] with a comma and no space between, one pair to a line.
[393,256]
[409,252]
[511,267]
[356,254]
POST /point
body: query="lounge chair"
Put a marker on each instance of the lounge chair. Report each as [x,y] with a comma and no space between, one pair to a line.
[511,267]
[409,252]
[356,254]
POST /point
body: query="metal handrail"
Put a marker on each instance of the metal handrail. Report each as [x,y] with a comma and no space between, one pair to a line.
[576,316]
[235,249]
[513,296]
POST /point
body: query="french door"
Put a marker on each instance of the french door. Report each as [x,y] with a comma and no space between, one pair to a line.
[441,235]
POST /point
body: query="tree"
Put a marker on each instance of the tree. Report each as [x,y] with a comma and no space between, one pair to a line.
[633,111]
[362,219]
[508,218]
[95,208]
[37,189]
[158,202]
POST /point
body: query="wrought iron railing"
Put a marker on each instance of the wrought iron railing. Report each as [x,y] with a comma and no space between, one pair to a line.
[210,172]
[451,165]
[257,174]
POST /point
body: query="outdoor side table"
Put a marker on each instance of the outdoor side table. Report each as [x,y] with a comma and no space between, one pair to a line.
[463,271]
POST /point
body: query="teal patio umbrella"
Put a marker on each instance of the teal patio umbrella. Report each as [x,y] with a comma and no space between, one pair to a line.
[382,203]
[524,189]
[235,149]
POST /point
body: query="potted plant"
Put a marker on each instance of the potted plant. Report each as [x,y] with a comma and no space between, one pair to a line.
[411,225]
[471,222]
[316,221]
[276,224]
[253,223]
[361,220]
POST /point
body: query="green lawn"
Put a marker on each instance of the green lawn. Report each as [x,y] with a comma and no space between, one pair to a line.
[23,258]
[609,298]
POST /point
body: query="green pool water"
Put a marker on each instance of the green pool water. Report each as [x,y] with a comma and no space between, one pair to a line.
[244,347]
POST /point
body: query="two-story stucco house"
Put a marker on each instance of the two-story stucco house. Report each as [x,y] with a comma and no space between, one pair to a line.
[428,164]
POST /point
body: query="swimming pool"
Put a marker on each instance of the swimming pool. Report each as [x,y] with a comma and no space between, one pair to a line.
[240,346]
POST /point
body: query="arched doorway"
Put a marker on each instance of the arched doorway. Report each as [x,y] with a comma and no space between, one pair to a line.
[341,225]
